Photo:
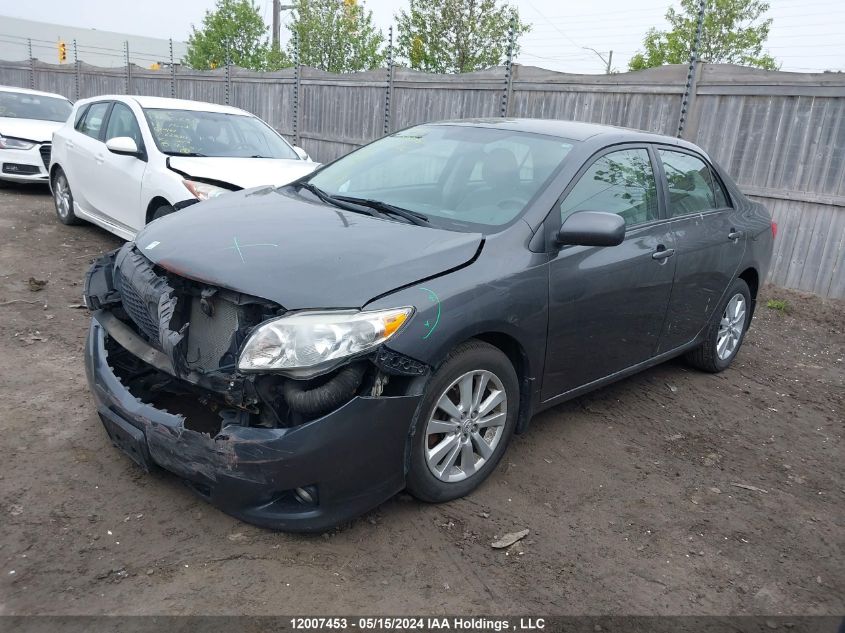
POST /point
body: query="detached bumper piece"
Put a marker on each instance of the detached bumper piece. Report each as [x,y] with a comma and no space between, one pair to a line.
[159,360]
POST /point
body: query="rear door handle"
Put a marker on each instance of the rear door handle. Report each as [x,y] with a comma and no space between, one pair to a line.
[735,235]
[662,253]
[69,144]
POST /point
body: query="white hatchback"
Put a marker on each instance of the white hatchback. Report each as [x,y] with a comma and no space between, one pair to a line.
[123,161]
[28,119]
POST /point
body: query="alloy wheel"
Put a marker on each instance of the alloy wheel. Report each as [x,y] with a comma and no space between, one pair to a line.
[466,426]
[731,327]
[61,194]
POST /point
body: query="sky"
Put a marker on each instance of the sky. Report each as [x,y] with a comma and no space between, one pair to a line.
[807,35]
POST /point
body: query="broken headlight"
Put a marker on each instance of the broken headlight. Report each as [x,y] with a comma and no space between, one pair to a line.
[203,190]
[305,344]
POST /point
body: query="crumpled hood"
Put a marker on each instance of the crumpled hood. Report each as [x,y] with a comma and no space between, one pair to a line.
[274,244]
[29,129]
[243,172]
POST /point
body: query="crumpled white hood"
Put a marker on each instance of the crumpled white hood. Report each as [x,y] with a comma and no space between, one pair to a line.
[243,172]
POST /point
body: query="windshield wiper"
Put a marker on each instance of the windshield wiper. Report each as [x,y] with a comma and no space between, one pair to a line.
[328,199]
[412,216]
[195,154]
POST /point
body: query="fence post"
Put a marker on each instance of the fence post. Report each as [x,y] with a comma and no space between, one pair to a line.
[75,71]
[228,78]
[692,75]
[172,72]
[506,93]
[128,70]
[389,87]
[296,82]
[31,65]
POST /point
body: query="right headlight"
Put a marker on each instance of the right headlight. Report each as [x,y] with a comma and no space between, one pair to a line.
[306,344]
[8,142]
[203,190]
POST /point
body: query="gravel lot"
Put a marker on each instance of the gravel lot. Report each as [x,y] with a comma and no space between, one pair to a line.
[673,492]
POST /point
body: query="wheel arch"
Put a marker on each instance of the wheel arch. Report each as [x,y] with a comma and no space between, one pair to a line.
[154,204]
[517,355]
[751,277]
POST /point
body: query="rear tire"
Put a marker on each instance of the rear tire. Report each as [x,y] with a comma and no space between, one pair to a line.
[725,332]
[455,448]
[63,198]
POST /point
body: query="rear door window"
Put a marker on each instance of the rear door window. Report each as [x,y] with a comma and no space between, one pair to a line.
[690,183]
[92,124]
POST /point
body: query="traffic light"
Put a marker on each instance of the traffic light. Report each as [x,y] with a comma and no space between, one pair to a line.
[62,52]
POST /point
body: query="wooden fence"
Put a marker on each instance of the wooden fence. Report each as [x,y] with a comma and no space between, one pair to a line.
[781,135]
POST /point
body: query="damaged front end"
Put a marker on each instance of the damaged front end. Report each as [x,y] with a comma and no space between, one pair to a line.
[289,453]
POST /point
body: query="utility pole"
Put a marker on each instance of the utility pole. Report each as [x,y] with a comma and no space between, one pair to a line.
[128,68]
[278,7]
[389,87]
[607,62]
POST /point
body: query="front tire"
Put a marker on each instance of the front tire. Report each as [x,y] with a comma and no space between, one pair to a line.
[725,332]
[63,198]
[162,211]
[467,417]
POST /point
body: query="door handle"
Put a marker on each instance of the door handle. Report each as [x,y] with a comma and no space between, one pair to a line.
[735,235]
[69,144]
[100,159]
[662,253]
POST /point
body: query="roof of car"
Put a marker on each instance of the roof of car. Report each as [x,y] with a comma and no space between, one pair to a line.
[573,130]
[31,92]
[169,104]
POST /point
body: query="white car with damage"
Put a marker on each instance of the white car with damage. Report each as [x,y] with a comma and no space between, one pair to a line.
[123,161]
[28,119]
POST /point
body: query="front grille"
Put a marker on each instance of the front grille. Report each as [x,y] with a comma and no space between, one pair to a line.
[137,309]
[45,150]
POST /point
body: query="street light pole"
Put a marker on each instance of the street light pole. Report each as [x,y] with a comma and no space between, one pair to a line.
[607,61]
[278,7]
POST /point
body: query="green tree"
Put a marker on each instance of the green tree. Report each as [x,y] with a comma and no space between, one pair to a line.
[456,36]
[234,30]
[733,33]
[336,36]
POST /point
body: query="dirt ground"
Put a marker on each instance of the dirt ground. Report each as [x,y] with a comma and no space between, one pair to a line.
[672,492]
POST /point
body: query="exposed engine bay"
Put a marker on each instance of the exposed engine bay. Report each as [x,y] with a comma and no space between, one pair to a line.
[174,343]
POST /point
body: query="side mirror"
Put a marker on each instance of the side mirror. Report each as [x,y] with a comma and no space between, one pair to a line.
[592,228]
[301,153]
[122,145]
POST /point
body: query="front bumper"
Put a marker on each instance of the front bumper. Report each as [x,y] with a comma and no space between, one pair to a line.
[354,456]
[17,165]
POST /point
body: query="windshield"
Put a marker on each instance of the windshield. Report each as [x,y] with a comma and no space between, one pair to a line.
[457,176]
[195,133]
[20,105]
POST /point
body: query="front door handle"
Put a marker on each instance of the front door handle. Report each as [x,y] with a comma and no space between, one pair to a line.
[662,253]
[100,159]
[735,235]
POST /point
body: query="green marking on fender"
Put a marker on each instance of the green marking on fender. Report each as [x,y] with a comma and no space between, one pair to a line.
[432,296]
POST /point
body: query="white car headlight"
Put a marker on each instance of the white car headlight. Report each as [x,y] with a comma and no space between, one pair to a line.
[202,190]
[7,142]
[309,343]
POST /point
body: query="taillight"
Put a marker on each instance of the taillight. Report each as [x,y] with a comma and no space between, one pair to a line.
[774,229]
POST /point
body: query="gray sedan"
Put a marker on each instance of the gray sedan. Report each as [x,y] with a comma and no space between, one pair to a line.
[300,354]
